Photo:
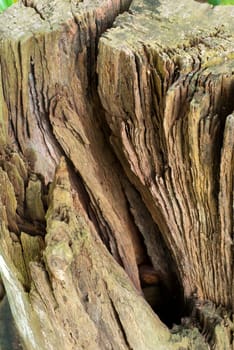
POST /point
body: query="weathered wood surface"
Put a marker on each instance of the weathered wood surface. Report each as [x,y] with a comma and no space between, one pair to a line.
[78,296]
[48,77]
[167,85]
[161,198]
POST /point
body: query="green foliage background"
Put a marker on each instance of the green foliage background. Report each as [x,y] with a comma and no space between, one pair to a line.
[4,4]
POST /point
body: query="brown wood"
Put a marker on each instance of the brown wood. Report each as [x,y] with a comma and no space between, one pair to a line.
[116,173]
[168,95]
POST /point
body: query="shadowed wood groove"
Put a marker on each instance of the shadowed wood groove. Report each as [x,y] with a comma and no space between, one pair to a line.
[116,164]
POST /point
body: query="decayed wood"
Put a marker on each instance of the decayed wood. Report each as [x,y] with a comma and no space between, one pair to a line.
[167,87]
[48,81]
[50,107]
[78,296]
[165,77]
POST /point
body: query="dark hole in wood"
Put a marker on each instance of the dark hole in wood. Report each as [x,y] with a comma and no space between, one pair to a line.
[167,303]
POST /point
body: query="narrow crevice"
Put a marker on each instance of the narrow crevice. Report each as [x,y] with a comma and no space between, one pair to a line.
[167,303]
[121,327]
[225,107]
[33,6]
[101,26]
[104,232]
[158,277]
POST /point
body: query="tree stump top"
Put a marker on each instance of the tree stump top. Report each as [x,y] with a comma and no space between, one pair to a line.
[177,28]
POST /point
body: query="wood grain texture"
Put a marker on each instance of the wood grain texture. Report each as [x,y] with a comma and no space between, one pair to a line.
[167,87]
[78,296]
[122,132]
[48,77]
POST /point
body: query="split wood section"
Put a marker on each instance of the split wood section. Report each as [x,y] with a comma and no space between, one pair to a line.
[140,128]
[168,92]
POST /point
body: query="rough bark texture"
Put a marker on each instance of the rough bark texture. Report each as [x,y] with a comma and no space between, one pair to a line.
[141,132]
[173,132]
[78,296]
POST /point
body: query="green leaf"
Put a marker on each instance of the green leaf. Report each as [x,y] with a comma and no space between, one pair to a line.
[221,2]
[4,4]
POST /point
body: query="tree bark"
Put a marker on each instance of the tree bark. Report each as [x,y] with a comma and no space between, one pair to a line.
[117,173]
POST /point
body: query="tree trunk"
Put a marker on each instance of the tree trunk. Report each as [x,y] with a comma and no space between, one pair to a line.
[116,173]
